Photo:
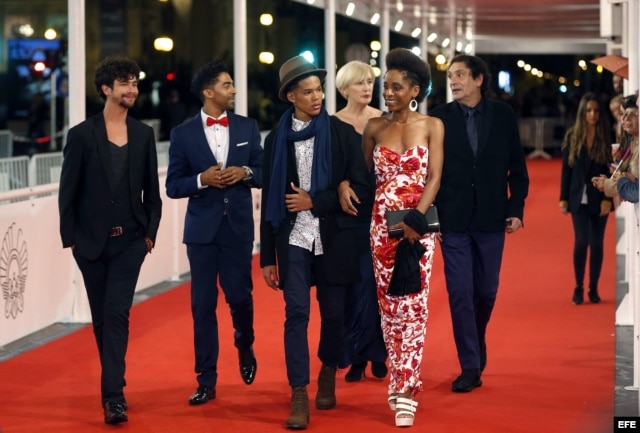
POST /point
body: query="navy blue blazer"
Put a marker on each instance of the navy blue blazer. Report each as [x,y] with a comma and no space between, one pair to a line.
[190,155]
[84,199]
[494,183]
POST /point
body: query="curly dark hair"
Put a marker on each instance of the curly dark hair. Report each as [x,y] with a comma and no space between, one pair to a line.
[207,76]
[478,67]
[413,68]
[114,68]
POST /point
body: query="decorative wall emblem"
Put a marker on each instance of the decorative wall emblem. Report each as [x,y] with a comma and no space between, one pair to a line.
[13,271]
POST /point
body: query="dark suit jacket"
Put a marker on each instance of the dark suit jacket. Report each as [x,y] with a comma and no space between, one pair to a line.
[337,229]
[494,183]
[574,179]
[190,155]
[84,199]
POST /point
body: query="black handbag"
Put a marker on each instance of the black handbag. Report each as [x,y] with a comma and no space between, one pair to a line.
[396,216]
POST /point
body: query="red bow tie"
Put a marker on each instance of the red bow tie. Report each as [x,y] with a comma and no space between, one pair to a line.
[223,121]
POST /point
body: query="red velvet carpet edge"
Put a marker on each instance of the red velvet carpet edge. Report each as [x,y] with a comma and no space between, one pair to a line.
[550,367]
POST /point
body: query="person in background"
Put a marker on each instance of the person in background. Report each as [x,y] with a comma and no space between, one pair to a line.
[481,198]
[586,153]
[405,149]
[305,237]
[363,334]
[615,106]
[110,208]
[627,181]
[215,158]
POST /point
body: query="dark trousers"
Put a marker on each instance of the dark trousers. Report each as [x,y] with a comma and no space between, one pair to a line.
[472,270]
[230,260]
[589,235]
[297,296]
[363,333]
[110,282]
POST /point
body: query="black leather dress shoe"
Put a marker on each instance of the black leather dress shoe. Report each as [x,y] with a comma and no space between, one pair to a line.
[114,412]
[202,395]
[248,365]
[379,369]
[467,381]
[356,372]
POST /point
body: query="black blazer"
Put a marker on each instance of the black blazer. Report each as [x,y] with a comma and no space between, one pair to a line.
[574,179]
[337,229]
[494,183]
[84,199]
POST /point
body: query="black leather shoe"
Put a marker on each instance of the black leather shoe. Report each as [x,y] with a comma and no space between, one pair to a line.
[379,369]
[594,298]
[356,372]
[202,395]
[578,296]
[248,365]
[467,381]
[114,412]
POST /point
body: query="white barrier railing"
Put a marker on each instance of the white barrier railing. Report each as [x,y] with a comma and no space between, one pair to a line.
[14,173]
[40,281]
[541,134]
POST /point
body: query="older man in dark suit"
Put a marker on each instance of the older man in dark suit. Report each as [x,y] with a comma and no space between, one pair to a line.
[110,209]
[215,159]
[481,197]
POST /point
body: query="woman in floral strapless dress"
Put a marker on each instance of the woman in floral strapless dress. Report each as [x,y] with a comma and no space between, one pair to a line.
[405,149]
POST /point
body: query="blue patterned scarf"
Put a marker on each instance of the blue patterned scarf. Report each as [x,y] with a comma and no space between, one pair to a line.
[321,169]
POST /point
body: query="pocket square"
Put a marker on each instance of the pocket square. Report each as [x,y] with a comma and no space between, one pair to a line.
[242,144]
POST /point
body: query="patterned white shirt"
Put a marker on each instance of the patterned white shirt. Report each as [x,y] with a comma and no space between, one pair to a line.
[306,230]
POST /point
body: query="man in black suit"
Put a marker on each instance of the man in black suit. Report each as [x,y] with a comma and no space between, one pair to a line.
[305,238]
[110,207]
[482,193]
[215,159]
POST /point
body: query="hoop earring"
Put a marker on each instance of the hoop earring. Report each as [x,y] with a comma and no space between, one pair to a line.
[413,105]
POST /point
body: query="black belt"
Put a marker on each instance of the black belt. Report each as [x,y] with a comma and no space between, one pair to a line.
[115,231]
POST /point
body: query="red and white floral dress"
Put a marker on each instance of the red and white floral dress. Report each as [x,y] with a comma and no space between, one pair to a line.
[400,179]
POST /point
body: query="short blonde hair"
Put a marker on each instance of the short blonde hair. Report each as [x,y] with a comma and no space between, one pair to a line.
[353,72]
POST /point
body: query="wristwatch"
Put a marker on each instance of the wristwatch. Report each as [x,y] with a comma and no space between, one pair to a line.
[247,171]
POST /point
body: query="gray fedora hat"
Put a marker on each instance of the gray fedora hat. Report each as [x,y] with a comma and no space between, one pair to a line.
[294,69]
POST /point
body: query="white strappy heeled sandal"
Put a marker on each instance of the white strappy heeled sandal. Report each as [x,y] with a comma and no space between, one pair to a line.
[405,411]
[392,401]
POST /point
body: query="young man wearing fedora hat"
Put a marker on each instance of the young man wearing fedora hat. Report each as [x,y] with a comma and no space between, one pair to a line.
[304,230]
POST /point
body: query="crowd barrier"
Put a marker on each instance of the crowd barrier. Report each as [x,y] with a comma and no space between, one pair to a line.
[542,135]
[41,284]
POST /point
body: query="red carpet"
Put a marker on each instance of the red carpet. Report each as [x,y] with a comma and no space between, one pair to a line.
[550,367]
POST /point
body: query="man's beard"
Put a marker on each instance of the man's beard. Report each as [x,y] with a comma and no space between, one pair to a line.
[125,104]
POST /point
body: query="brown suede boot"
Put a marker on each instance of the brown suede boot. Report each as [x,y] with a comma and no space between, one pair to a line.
[299,416]
[326,397]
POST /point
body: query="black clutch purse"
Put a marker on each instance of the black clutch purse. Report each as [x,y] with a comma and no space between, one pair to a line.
[396,216]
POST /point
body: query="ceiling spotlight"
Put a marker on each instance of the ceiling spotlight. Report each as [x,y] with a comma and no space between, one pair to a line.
[416,32]
[446,42]
[432,37]
[266,19]
[350,8]
[399,25]
[375,18]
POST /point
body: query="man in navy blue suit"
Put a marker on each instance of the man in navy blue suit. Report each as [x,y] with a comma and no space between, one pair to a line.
[215,159]
[481,197]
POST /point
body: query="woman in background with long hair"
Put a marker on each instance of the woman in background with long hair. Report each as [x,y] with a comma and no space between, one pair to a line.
[586,153]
